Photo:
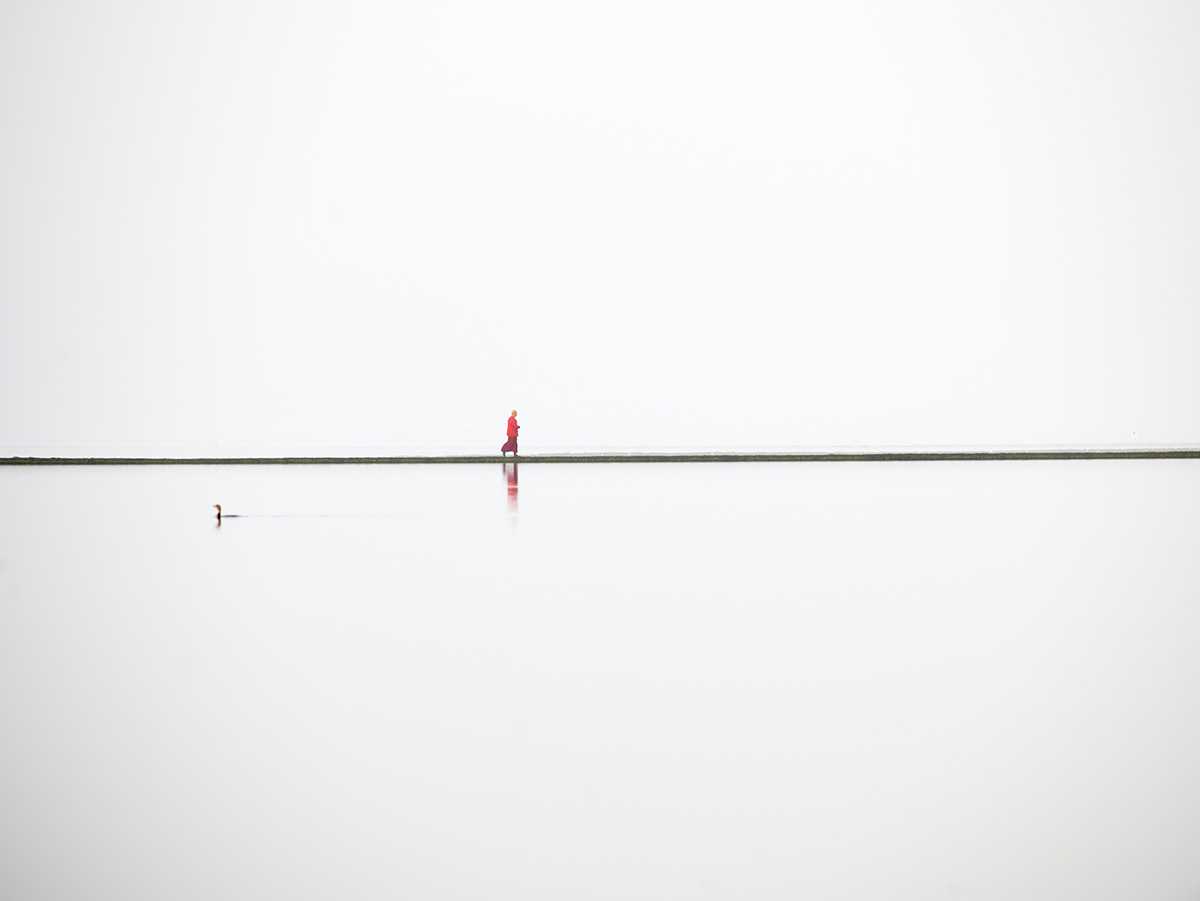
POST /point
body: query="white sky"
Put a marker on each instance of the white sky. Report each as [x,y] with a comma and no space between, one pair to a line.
[642,224]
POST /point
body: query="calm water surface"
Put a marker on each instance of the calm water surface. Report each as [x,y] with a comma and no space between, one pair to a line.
[939,680]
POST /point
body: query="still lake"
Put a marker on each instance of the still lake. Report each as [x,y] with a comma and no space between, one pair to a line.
[846,680]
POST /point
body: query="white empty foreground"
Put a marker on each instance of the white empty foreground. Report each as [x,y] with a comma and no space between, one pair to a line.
[771,681]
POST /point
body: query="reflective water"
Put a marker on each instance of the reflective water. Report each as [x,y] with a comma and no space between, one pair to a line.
[938,680]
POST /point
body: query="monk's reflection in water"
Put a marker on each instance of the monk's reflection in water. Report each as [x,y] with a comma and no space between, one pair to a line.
[510,476]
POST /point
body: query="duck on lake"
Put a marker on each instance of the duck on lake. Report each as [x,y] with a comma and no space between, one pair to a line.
[227,515]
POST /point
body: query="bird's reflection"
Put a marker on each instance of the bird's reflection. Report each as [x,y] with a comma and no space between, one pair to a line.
[510,476]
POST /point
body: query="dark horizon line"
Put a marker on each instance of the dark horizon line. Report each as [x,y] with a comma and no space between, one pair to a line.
[787,457]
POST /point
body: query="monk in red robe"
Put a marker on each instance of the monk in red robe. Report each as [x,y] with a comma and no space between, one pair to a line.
[511,443]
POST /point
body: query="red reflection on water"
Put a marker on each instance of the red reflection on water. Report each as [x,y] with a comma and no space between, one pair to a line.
[510,476]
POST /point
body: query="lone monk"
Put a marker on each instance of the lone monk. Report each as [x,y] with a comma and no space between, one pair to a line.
[511,443]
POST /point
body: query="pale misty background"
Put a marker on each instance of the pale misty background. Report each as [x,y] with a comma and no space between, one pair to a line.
[244,227]
[292,226]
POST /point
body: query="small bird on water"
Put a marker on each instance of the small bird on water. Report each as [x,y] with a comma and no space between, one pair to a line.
[227,515]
